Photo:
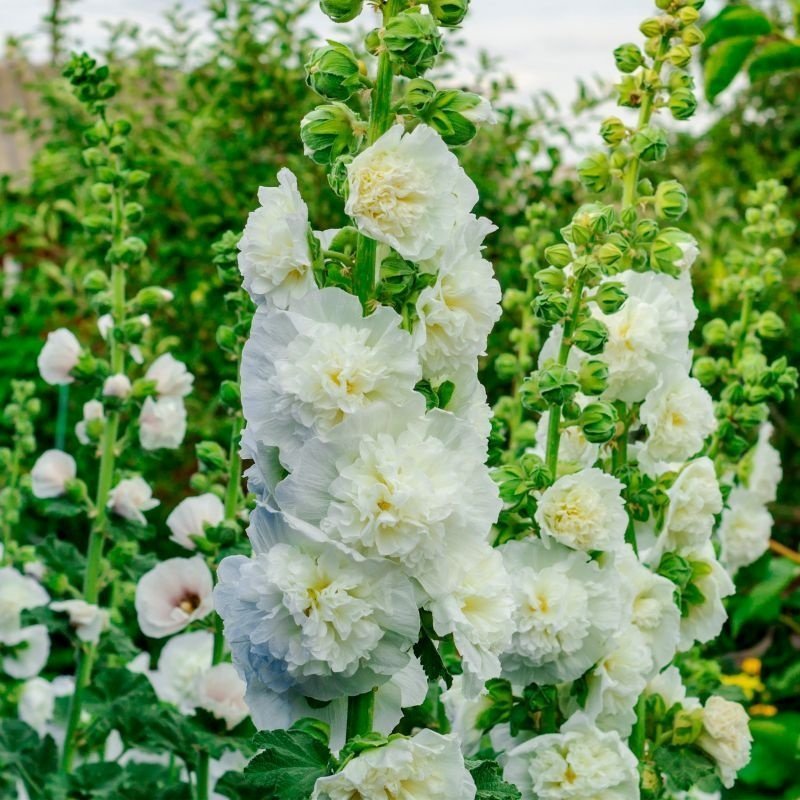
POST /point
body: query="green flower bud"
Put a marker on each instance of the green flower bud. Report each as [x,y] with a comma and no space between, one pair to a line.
[529,395]
[590,336]
[551,279]
[628,57]
[341,10]
[230,395]
[525,435]
[151,298]
[454,115]
[419,93]
[129,251]
[102,192]
[95,281]
[705,370]
[550,307]
[613,130]
[413,41]
[587,270]
[211,456]
[96,223]
[770,325]
[673,251]
[506,366]
[593,376]
[671,200]
[333,71]
[227,338]
[688,15]
[692,36]
[559,255]
[330,131]
[598,421]
[682,103]
[143,387]
[650,143]
[448,13]
[647,230]
[337,175]
[678,79]
[610,253]
[679,55]
[784,227]
[557,384]
[594,172]
[136,178]
[610,297]
[687,726]
[716,332]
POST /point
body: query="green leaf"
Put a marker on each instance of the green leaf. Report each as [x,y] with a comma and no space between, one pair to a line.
[289,764]
[30,758]
[488,777]
[774,57]
[725,61]
[763,603]
[734,21]
[686,767]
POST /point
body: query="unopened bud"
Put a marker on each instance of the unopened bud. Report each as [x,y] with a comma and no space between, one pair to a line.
[610,297]
[594,172]
[593,376]
[330,131]
[628,57]
[590,336]
[649,143]
[341,10]
[613,130]
[598,421]
[333,71]
[449,13]
[413,42]
[682,103]
[671,200]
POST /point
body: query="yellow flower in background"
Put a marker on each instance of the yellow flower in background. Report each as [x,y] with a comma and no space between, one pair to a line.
[749,684]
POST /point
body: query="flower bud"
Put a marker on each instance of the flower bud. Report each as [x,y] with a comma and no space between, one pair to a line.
[705,370]
[133,213]
[330,131]
[629,91]
[333,71]
[590,336]
[649,143]
[557,384]
[613,130]
[770,325]
[687,726]
[593,376]
[594,172]
[551,279]
[341,10]
[610,297]
[652,26]
[682,103]
[688,15]
[598,421]
[673,251]
[671,200]
[419,93]
[454,115]
[118,386]
[95,281]
[678,79]
[230,395]
[559,255]
[136,178]
[102,192]
[449,13]
[151,298]
[337,175]
[679,55]
[692,36]
[610,253]
[716,333]
[647,230]
[506,366]
[413,42]
[784,227]
[628,57]
[211,456]
[550,307]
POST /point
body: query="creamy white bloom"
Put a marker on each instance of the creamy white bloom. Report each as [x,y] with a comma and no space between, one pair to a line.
[130,498]
[220,691]
[162,423]
[172,595]
[25,651]
[428,766]
[459,310]
[745,529]
[679,415]
[274,251]
[409,191]
[726,737]
[566,608]
[306,370]
[118,385]
[669,685]
[93,409]
[190,517]
[36,704]
[88,619]
[172,377]
[184,659]
[17,593]
[59,357]
[584,511]
[764,469]
[304,614]
[396,483]
[51,473]
[578,763]
[463,713]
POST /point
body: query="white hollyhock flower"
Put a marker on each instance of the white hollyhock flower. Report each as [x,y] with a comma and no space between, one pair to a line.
[669,685]
[726,737]
[172,377]
[679,415]
[130,498]
[566,608]
[584,511]
[162,423]
[304,614]
[409,191]
[51,473]
[59,357]
[190,517]
[184,659]
[463,713]
[36,704]
[93,409]
[25,651]
[468,401]
[427,766]
[264,474]
[172,595]
[744,531]
[396,483]
[306,370]
[457,313]
[481,113]
[88,620]
[578,763]
[274,251]
[17,593]
[117,386]
[220,691]
[765,470]
[471,598]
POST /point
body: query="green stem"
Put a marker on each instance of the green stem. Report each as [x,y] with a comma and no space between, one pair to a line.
[744,321]
[62,415]
[636,742]
[360,711]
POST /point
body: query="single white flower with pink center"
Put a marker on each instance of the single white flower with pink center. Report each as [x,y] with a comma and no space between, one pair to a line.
[88,619]
[172,595]
[130,498]
[51,473]
[220,691]
[59,357]
[190,517]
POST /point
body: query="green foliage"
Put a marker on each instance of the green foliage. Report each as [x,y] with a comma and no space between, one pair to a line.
[488,777]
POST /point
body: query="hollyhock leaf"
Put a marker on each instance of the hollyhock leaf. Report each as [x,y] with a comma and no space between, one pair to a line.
[488,777]
[685,767]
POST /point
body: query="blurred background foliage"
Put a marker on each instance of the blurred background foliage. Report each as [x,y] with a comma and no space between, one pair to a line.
[216,118]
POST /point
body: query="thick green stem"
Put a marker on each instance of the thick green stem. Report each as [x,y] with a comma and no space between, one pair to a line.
[360,711]
[636,742]
[744,321]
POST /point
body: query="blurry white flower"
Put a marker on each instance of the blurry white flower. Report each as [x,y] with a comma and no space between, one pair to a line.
[88,620]
[173,594]
[182,662]
[171,376]
[130,498]
[584,511]
[726,737]
[306,370]
[669,685]
[427,766]
[93,409]
[117,386]
[190,516]
[566,608]
[59,357]
[482,112]
[765,471]
[36,704]
[275,257]
[162,423]
[220,691]
[17,593]
[51,473]
[35,569]
[745,529]
[578,763]
[25,651]
[409,191]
